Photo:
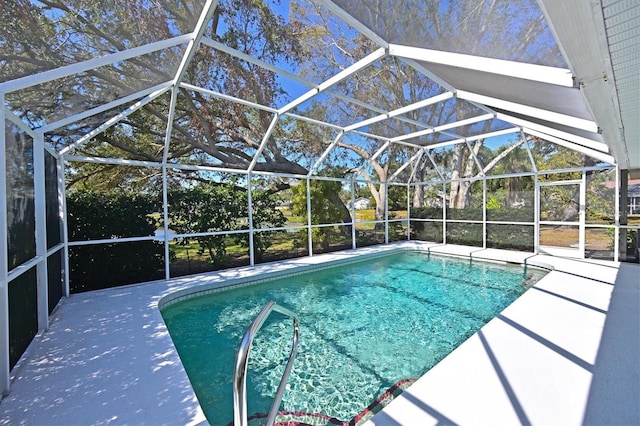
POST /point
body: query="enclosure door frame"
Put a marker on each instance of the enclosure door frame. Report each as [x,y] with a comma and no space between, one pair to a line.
[558,251]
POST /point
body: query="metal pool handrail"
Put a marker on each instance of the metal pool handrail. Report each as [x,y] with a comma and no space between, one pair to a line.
[242,359]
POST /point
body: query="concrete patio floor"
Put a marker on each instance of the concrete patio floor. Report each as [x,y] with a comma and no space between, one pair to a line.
[566,352]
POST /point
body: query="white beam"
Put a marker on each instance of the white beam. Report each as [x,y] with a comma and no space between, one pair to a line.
[555,117]
[325,154]
[97,110]
[529,153]
[406,164]
[400,111]
[314,121]
[409,144]
[598,155]
[221,47]
[373,157]
[262,64]
[207,11]
[590,143]
[263,143]
[350,70]
[542,73]
[4,263]
[379,152]
[46,76]
[9,115]
[39,197]
[62,215]
[433,163]
[233,52]
[370,135]
[446,143]
[438,129]
[493,134]
[112,161]
[475,158]
[353,22]
[165,185]
[104,126]
[228,98]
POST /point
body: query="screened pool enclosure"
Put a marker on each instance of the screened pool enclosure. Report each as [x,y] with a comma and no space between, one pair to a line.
[151,139]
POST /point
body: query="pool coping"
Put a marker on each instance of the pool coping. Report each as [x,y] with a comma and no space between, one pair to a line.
[105,350]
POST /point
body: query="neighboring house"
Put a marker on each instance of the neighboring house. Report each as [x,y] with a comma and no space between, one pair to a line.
[633,194]
[361,203]
[634,198]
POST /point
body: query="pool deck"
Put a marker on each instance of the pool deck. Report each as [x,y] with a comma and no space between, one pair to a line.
[566,352]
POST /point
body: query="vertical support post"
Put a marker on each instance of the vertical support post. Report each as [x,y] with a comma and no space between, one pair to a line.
[165,220]
[62,203]
[353,212]
[444,212]
[165,190]
[252,258]
[309,233]
[529,153]
[622,211]
[408,211]
[536,215]
[386,212]
[583,215]
[4,262]
[484,211]
[40,233]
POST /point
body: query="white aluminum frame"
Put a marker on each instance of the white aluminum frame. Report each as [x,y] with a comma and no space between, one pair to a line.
[5,379]
[521,70]
[581,219]
[65,71]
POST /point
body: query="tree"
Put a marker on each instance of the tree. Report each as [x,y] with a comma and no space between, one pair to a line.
[321,212]
[207,208]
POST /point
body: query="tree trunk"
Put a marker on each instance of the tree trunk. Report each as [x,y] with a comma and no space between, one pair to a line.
[418,197]
[346,218]
[512,191]
[380,197]
[459,195]
[418,190]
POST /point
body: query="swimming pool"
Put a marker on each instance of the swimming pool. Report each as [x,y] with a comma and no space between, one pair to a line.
[364,327]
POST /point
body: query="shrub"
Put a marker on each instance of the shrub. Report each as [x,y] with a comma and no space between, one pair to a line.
[93,216]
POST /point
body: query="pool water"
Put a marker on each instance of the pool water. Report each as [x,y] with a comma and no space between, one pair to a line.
[363,327]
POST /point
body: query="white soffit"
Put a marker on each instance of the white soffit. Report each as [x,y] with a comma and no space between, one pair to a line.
[546,101]
[600,40]
[580,137]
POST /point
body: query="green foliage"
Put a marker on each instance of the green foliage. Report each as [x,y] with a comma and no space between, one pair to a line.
[426,213]
[265,214]
[207,208]
[397,197]
[210,207]
[323,211]
[93,216]
[493,203]
[510,237]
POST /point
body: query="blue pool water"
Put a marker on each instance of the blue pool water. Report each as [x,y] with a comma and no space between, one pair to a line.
[363,327]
